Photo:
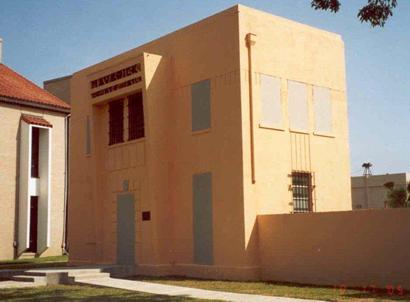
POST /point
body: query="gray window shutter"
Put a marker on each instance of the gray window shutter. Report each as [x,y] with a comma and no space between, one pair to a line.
[201,105]
[298,106]
[271,109]
[323,110]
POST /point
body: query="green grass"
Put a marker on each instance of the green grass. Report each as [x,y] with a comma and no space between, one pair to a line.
[34,262]
[284,289]
[81,293]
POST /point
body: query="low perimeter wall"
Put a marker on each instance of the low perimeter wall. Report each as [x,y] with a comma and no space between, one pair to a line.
[359,248]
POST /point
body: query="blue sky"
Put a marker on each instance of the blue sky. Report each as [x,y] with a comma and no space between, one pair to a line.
[49,38]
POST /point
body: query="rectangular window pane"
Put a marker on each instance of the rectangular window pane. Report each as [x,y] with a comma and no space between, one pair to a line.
[323,110]
[116,120]
[201,105]
[271,110]
[135,116]
[298,106]
[302,192]
[35,149]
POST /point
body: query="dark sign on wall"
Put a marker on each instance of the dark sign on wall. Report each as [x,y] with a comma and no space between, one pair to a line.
[115,76]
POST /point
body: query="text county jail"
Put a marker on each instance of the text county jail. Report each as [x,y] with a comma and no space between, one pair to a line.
[187,151]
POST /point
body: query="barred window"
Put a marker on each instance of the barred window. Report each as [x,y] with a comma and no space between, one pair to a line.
[135,116]
[116,120]
[302,192]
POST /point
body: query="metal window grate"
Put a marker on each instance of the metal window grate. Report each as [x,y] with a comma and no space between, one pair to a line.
[116,122]
[135,116]
[302,192]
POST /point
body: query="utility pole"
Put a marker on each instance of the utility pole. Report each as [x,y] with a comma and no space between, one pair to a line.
[367,169]
[367,172]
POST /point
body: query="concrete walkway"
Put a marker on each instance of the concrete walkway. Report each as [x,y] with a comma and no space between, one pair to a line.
[16,284]
[171,290]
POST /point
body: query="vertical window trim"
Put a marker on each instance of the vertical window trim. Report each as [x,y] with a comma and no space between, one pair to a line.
[88,135]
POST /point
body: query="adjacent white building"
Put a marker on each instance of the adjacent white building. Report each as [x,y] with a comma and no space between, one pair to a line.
[33,168]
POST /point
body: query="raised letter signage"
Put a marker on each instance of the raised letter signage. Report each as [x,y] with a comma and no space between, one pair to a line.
[115,76]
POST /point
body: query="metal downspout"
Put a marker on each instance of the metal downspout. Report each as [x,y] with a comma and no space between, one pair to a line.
[65,213]
[249,43]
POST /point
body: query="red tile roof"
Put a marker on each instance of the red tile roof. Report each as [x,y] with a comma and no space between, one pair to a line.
[17,88]
[35,120]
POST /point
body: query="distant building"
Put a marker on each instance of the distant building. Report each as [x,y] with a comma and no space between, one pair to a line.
[177,145]
[60,87]
[369,192]
[32,168]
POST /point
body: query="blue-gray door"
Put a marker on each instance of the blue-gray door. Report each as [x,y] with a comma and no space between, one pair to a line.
[202,212]
[125,229]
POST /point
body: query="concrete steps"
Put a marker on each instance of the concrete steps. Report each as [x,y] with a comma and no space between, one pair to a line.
[84,271]
[27,255]
[38,280]
[68,275]
[81,275]
[35,273]
[84,277]
[63,276]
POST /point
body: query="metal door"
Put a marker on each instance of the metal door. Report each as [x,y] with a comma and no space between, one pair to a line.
[125,229]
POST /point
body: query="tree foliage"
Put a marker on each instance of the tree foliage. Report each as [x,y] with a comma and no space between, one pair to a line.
[397,197]
[375,12]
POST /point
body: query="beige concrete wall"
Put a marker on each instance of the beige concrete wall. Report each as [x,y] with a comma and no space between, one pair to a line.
[359,248]
[160,167]
[9,158]
[376,194]
[292,51]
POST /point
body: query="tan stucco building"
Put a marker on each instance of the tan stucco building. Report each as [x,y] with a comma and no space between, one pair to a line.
[369,192]
[179,144]
[32,168]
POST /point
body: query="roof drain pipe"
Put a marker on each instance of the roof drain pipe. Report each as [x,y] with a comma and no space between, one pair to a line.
[250,41]
[66,175]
